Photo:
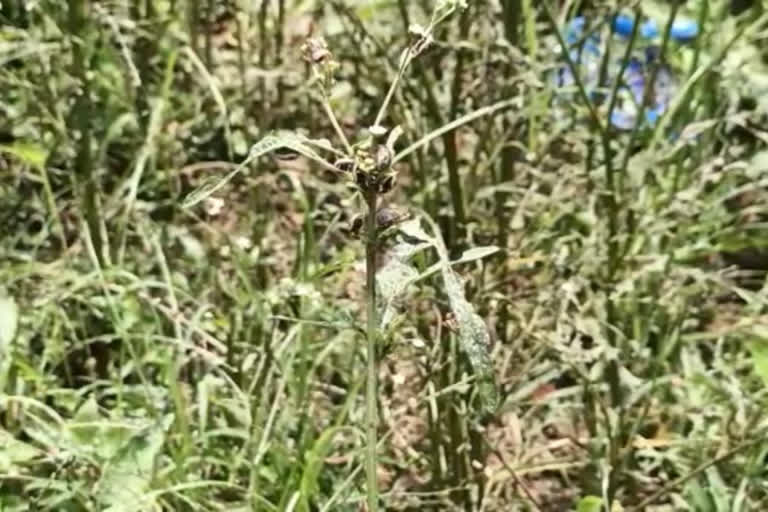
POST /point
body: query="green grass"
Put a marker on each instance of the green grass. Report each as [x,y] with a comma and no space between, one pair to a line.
[157,354]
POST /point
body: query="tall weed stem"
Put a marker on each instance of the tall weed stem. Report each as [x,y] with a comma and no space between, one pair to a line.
[371,411]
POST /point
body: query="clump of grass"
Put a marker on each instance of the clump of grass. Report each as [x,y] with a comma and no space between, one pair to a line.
[153,356]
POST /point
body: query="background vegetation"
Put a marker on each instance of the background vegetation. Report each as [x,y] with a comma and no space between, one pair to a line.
[155,357]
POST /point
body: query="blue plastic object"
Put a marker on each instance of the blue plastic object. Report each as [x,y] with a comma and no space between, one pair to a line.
[684,30]
[634,77]
[574,29]
[637,72]
[649,29]
[622,120]
[623,24]
[653,114]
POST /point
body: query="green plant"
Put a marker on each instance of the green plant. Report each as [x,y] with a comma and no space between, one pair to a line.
[154,357]
[369,164]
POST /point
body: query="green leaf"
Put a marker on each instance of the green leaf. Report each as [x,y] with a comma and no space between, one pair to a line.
[590,504]
[214,183]
[759,349]
[204,388]
[28,152]
[9,321]
[759,163]
[13,452]
[84,427]
[315,461]
[698,497]
[721,495]
[128,475]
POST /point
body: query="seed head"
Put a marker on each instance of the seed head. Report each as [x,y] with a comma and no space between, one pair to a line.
[316,50]
[388,216]
[345,164]
[387,183]
[324,66]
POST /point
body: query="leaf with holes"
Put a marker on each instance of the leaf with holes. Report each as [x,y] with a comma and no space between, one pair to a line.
[392,280]
[394,276]
[474,338]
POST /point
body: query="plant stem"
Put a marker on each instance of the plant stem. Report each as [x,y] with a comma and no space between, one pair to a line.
[371,411]
[80,31]
[335,123]
[405,59]
[510,154]
[450,139]
[279,49]
[263,59]
[194,27]
[537,99]
[209,34]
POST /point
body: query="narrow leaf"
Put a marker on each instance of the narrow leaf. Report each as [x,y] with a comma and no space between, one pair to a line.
[315,462]
[211,185]
[477,253]
[266,145]
[9,319]
[474,338]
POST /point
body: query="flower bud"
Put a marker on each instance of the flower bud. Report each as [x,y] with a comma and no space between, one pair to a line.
[383,158]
